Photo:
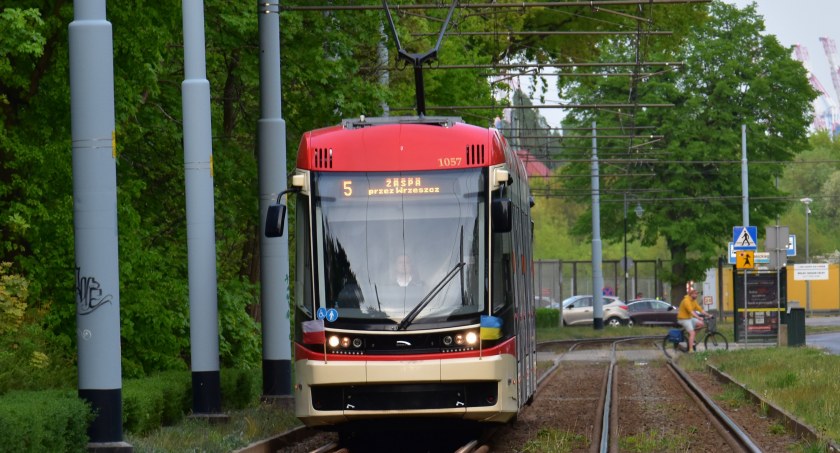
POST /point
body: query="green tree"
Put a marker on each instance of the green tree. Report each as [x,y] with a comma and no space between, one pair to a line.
[690,185]
[330,71]
[814,174]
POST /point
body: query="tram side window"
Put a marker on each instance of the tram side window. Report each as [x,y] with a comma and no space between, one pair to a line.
[303,271]
[502,271]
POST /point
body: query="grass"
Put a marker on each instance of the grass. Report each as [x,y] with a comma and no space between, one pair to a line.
[802,380]
[199,435]
[550,440]
[654,441]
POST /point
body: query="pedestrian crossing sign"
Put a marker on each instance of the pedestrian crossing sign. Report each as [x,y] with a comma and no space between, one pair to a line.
[744,238]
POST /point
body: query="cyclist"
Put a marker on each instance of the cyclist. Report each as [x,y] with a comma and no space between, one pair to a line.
[689,316]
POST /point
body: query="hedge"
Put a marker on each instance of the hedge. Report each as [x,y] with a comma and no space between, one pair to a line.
[548,317]
[50,420]
[57,420]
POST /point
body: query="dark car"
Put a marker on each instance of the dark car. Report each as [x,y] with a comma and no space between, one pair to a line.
[652,312]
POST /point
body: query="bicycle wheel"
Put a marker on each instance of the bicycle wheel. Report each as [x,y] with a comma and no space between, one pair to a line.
[715,342]
[667,346]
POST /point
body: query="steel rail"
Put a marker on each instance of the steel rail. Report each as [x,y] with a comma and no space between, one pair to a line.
[731,430]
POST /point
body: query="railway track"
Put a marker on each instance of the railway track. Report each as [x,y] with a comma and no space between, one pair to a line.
[604,396]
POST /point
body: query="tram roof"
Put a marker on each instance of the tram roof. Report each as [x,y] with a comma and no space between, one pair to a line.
[400,143]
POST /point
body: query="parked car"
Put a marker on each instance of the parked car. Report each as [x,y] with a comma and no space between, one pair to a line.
[579,310]
[652,312]
[546,302]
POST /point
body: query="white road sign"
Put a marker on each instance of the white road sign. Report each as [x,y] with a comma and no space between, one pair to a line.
[810,271]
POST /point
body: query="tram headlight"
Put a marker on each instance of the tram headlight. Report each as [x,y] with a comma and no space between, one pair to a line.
[459,339]
[472,338]
[357,343]
[334,341]
[345,342]
[447,340]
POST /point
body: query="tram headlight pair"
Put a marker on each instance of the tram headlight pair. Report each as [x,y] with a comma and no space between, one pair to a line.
[345,342]
[468,338]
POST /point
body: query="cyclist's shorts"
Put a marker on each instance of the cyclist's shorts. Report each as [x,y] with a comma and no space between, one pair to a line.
[688,324]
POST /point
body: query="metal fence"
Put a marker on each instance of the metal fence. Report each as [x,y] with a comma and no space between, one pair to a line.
[555,280]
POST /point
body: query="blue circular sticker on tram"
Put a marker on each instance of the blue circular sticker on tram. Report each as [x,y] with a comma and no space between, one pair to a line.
[322,313]
[332,315]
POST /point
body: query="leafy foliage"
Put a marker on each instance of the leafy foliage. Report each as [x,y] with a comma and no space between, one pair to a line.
[690,190]
[333,69]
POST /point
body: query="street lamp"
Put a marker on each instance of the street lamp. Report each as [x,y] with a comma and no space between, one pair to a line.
[807,202]
[625,263]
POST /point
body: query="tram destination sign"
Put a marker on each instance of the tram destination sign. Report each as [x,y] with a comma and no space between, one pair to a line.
[388,186]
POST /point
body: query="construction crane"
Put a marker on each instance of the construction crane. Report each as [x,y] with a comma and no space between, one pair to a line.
[826,115]
[830,53]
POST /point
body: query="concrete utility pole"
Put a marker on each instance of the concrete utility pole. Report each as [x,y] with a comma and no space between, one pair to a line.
[201,236]
[95,221]
[807,202]
[597,272]
[274,252]
[745,186]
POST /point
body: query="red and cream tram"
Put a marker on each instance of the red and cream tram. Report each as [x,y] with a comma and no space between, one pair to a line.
[413,290]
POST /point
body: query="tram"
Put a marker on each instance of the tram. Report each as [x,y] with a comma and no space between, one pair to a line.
[413,286]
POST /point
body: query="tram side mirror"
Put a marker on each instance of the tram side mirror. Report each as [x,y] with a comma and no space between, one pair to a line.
[274,220]
[501,215]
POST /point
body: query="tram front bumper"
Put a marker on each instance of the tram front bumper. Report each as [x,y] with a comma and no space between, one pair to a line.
[337,391]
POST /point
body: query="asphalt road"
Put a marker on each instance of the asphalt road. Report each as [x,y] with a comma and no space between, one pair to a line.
[828,341]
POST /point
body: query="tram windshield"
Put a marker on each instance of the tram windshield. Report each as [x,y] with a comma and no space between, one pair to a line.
[400,247]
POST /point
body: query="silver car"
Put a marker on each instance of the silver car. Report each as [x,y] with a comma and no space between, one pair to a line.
[579,310]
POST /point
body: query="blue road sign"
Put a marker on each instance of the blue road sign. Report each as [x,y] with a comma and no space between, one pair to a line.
[791,245]
[321,313]
[332,315]
[745,238]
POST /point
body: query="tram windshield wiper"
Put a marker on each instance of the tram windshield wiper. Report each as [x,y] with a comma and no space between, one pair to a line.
[458,268]
[409,318]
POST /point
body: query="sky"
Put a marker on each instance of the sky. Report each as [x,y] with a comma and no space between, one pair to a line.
[792,21]
[803,22]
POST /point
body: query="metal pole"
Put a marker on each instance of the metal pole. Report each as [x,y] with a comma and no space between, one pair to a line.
[745,214]
[274,252]
[745,187]
[624,260]
[201,236]
[597,273]
[807,255]
[95,221]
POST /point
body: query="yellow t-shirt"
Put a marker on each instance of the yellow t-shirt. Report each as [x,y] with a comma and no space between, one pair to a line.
[687,306]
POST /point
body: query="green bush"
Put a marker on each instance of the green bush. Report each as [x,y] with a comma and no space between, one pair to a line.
[57,420]
[156,401]
[548,317]
[53,420]
[165,398]
[240,388]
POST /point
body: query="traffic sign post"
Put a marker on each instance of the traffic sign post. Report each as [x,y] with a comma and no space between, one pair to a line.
[745,238]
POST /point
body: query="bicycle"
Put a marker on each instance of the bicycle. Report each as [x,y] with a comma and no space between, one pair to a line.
[712,339]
